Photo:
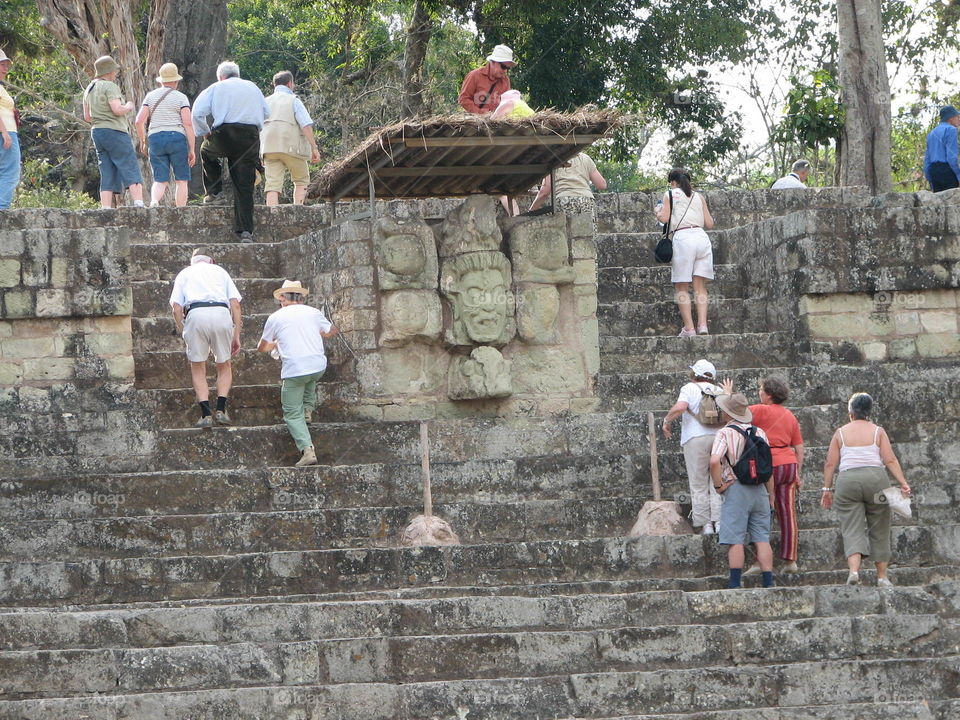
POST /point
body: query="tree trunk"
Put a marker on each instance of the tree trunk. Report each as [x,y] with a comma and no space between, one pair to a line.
[418,35]
[195,39]
[865,141]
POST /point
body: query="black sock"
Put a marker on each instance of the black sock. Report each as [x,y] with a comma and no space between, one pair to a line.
[221,403]
[204,408]
[768,579]
[735,577]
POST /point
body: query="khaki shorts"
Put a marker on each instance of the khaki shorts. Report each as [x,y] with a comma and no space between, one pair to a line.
[208,329]
[275,163]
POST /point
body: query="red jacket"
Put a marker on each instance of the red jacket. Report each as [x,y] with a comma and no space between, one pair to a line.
[481,93]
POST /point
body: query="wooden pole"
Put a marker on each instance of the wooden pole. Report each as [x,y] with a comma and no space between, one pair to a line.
[425,469]
[654,470]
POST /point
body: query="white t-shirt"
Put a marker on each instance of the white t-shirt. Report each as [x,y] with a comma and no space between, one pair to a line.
[203,282]
[296,330]
[690,427]
[165,116]
[788,182]
[687,211]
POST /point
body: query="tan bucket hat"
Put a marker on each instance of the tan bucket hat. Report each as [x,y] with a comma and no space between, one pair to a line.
[104,65]
[290,286]
[168,73]
[502,54]
[735,406]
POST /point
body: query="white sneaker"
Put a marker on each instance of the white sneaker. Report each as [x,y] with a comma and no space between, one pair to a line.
[790,568]
[853,578]
[753,570]
[708,529]
[884,583]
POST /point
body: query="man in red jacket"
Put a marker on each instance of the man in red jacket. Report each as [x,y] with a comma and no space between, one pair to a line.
[483,87]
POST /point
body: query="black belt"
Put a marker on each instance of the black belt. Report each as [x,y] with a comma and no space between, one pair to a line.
[191,306]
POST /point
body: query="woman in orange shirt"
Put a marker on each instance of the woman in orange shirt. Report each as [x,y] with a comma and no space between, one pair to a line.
[786,446]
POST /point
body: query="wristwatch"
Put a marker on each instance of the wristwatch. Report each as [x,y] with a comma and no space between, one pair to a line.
[826,489]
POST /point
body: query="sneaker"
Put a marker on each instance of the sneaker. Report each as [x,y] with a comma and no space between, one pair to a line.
[223,418]
[790,568]
[309,457]
[246,236]
[884,583]
[702,330]
[853,578]
[708,529]
[687,332]
[204,422]
[753,570]
[213,199]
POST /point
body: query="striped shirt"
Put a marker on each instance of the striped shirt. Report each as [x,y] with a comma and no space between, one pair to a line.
[165,116]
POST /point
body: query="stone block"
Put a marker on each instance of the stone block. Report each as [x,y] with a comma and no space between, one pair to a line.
[939,321]
[539,249]
[484,374]
[11,243]
[547,371]
[902,349]
[366,412]
[538,307]
[874,351]
[810,304]
[583,248]
[471,227]
[906,323]
[104,344]
[53,303]
[9,272]
[11,373]
[18,304]
[590,339]
[59,272]
[585,272]
[41,347]
[937,346]
[409,412]
[121,367]
[408,315]
[406,255]
[48,369]
[580,224]
[587,305]
[414,370]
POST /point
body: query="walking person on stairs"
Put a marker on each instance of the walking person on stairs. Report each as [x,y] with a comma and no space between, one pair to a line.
[206,311]
[296,332]
[700,423]
[688,215]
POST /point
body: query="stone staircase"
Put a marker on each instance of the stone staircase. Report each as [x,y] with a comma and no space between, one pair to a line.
[221,583]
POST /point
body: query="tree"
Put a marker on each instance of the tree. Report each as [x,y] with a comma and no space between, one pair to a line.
[865,140]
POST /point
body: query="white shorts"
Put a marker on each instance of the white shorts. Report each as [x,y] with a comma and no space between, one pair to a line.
[692,255]
[208,329]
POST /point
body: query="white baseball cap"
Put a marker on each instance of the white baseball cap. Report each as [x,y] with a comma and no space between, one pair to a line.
[704,368]
[501,54]
[4,58]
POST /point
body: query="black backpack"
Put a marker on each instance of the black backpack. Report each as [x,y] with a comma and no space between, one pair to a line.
[755,466]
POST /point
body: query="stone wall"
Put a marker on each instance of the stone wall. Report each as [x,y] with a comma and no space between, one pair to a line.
[449,312]
[66,362]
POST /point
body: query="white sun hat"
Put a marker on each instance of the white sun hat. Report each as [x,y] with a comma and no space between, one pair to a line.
[501,54]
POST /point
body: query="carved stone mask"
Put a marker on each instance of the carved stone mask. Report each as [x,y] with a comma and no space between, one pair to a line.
[478,286]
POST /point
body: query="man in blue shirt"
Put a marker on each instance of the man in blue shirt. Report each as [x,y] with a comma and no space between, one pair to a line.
[940,162]
[229,115]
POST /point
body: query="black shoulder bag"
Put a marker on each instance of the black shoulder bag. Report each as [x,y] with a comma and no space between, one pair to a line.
[663,252]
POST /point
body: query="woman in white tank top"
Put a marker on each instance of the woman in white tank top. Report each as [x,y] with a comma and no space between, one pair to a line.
[692,252]
[863,453]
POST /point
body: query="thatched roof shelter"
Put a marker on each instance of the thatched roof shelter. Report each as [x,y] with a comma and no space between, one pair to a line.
[459,155]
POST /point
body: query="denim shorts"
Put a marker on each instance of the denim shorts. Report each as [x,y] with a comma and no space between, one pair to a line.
[117,160]
[745,515]
[169,148]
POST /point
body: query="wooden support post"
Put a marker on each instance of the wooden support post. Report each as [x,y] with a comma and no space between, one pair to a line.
[654,470]
[425,469]
[373,196]
[333,211]
[553,191]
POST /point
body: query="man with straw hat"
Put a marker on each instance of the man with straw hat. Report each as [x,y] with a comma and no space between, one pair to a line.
[747,505]
[171,142]
[296,333]
[206,310]
[482,88]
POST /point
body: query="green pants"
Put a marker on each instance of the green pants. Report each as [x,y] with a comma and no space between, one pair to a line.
[298,396]
[864,514]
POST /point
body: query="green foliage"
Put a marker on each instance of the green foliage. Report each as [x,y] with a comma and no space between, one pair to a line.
[625,176]
[38,190]
[814,114]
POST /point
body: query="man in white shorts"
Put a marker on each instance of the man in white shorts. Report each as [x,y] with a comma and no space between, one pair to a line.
[296,333]
[206,310]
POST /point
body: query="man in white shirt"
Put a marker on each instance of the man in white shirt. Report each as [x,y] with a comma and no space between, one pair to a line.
[296,333]
[206,311]
[796,179]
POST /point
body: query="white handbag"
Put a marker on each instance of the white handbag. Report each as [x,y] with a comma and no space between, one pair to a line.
[898,502]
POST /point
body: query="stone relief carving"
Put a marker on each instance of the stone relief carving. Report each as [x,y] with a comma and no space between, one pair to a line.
[539,249]
[406,255]
[472,227]
[485,374]
[478,287]
[407,315]
[538,308]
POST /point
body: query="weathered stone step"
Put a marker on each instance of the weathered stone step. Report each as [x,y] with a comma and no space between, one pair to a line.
[530,653]
[220,533]
[351,570]
[910,710]
[635,249]
[152,297]
[284,621]
[162,261]
[665,354]
[724,315]
[652,284]
[748,690]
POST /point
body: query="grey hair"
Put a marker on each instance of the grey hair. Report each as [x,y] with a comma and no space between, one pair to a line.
[801,165]
[860,405]
[227,69]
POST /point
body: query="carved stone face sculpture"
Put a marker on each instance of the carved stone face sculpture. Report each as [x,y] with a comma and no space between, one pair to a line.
[540,250]
[472,227]
[485,374]
[537,313]
[406,315]
[406,255]
[478,288]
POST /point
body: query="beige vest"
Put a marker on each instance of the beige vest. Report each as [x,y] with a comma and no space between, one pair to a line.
[281,133]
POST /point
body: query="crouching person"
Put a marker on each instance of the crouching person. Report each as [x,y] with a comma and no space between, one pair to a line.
[741,468]
[296,332]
